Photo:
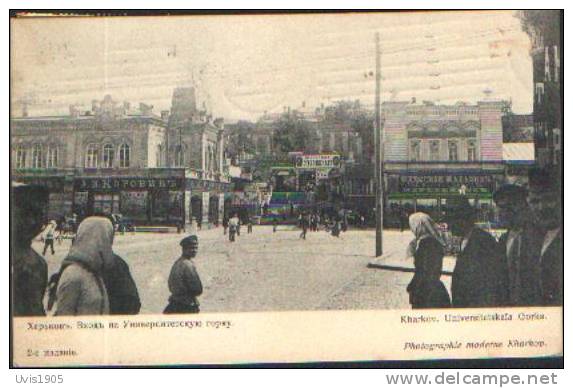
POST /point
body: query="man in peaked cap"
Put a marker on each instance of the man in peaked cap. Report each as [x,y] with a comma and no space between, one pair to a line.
[29,269]
[184,282]
[477,280]
[544,199]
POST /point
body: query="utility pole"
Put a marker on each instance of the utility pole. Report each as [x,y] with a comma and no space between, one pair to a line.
[379,166]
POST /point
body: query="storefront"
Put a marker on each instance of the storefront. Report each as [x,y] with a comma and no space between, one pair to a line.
[429,191]
[143,200]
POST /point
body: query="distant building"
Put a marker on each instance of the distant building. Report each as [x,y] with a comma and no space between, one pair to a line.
[518,128]
[545,30]
[115,159]
[436,152]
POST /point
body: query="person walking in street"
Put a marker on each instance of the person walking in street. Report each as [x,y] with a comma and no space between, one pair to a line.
[29,269]
[427,248]
[303,226]
[544,199]
[517,243]
[184,282]
[249,225]
[336,228]
[81,289]
[49,233]
[233,227]
[225,225]
[477,280]
[275,225]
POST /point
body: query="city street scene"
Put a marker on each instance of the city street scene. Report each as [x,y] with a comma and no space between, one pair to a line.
[284,162]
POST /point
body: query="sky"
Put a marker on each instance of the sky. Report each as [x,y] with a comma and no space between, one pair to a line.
[243,66]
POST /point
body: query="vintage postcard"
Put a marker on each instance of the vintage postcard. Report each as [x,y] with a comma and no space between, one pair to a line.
[285,187]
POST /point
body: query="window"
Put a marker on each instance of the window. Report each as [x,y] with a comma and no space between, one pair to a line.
[539,92]
[325,142]
[452,150]
[179,156]
[52,160]
[472,152]
[415,150]
[38,156]
[434,150]
[21,155]
[108,156]
[92,156]
[159,156]
[124,154]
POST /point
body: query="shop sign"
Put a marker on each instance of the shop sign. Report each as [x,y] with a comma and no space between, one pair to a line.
[124,183]
[317,161]
[53,184]
[462,184]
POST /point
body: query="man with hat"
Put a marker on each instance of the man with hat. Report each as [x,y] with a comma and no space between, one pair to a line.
[29,269]
[184,282]
[477,280]
[544,200]
[514,214]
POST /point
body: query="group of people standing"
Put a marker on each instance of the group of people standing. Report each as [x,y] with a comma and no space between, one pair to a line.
[233,225]
[523,268]
[92,279]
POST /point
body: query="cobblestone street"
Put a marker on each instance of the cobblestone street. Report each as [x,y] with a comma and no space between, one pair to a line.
[267,271]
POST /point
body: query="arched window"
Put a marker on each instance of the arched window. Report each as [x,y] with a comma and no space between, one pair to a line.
[179,156]
[472,150]
[21,155]
[52,159]
[124,155]
[108,156]
[415,152]
[159,156]
[453,150]
[38,156]
[92,156]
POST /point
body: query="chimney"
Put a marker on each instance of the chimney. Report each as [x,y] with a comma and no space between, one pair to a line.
[74,112]
[165,115]
[145,109]
[95,106]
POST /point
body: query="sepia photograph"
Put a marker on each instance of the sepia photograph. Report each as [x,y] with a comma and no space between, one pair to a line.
[284,165]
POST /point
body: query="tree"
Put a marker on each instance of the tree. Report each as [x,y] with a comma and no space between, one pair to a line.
[292,133]
[240,139]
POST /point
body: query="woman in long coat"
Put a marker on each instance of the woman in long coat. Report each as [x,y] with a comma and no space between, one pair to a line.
[426,290]
[92,279]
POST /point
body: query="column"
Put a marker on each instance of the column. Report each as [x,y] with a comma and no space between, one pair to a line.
[187,207]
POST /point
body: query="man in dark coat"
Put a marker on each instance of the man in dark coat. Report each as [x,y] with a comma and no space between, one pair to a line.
[29,269]
[121,288]
[184,282]
[477,280]
[544,200]
[518,244]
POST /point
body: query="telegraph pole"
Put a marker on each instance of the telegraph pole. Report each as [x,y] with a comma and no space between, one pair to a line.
[378,167]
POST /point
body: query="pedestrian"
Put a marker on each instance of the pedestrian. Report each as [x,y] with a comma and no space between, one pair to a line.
[233,227]
[275,225]
[304,226]
[225,225]
[29,269]
[49,232]
[477,280]
[425,289]
[249,225]
[544,199]
[184,282]
[336,228]
[517,243]
[80,288]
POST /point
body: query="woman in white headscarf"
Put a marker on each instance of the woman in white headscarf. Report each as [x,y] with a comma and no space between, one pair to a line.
[93,280]
[426,290]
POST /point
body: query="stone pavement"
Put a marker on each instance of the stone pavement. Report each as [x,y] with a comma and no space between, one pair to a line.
[267,271]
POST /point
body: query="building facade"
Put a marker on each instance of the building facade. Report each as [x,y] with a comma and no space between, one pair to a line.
[115,159]
[436,152]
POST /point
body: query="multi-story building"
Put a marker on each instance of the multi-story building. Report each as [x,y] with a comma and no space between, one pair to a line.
[115,159]
[545,30]
[435,152]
